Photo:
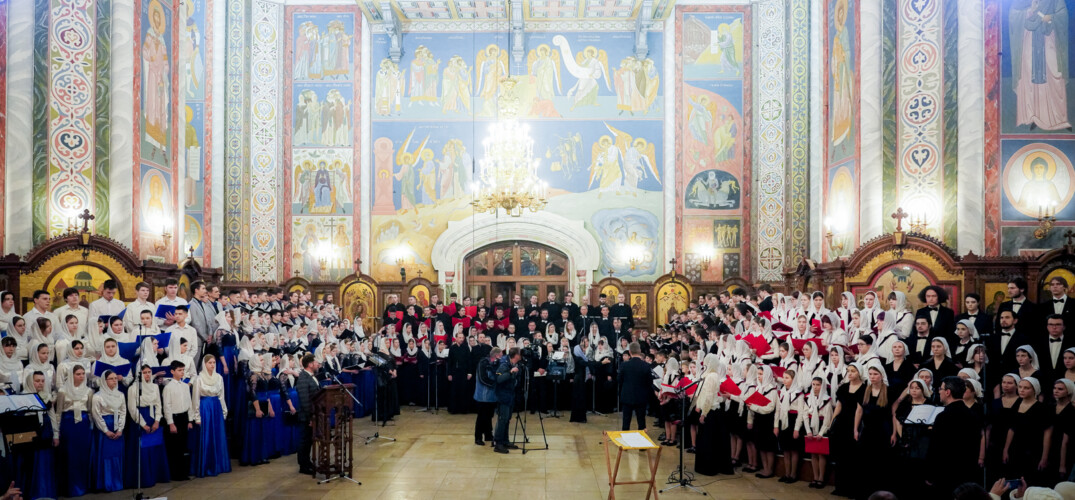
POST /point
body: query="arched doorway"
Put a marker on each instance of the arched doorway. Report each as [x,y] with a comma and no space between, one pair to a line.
[515,267]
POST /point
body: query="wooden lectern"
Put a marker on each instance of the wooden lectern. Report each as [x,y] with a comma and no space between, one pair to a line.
[332,416]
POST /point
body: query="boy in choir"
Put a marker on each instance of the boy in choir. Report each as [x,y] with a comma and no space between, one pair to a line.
[1024,310]
[132,319]
[177,405]
[72,307]
[171,288]
[181,329]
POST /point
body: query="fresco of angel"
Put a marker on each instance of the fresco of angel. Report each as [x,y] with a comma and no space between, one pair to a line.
[588,66]
[543,65]
[408,176]
[492,64]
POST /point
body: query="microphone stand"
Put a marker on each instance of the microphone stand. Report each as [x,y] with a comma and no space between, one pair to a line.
[368,439]
[428,386]
[139,494]
[679,476]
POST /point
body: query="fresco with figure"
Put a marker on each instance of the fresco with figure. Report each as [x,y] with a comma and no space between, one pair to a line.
[713,123]
[155,200]
[595,114]
[1037,143]
[195,74]
[841,81]
[321,144]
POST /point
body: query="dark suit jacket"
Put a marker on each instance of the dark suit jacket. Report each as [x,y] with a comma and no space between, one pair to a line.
[635,381]
[306,386]
[982,321]
[1053,368]
[1028,316]
[1045,308]
[766,304]
[945,326]
[953,449]
[1005,361]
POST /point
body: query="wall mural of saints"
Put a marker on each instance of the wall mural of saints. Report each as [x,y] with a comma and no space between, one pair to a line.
[321,247]
[1038,32]
[156,82]
[619,164]
[322,181]
[323,47]
[713,190]
[628,233]
[323,115]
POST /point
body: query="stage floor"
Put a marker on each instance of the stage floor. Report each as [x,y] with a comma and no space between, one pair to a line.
[435,457]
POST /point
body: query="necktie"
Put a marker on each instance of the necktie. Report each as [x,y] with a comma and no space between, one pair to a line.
[1055,340]
[1005,334]
[932,308]
[1058,301]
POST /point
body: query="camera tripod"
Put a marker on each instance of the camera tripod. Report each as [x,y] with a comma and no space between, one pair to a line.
[520,416]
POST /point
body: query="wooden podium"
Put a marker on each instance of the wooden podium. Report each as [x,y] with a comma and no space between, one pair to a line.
[332,436]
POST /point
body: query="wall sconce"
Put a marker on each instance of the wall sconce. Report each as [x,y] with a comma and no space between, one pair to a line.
[1046,220]
[918,223]
[635,256]
[705,256]
[159,247]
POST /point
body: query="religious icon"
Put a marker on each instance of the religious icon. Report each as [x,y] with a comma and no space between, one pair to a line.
[408,176]
[543,65]
[424,70]
[672,298]
[843,77]
[637,155]
[639,305]
[589,65]
[389,88]
[1039,47]
[1039,178]
[492,64]
[455,86]
[156,83]
[713,189]
[731,265]
[192,38]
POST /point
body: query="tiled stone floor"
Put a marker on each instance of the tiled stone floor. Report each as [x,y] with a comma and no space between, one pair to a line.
[435,458]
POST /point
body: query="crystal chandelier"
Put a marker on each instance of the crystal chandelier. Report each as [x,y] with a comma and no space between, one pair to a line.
[507,176]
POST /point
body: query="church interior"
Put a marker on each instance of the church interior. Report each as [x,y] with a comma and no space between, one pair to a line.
[670,159]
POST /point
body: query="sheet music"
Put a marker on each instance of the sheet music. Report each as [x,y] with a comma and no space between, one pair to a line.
[20,402]
[635,439]
[923,414]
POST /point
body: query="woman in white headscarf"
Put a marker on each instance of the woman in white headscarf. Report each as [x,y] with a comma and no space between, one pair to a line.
[815,424]
[19,331]
[897,318]
[967,336]
[831,332]
[761,420]
[813,365]
[836,369]
[1026,450]
[209,408]
[74,356]
[147,353]
[72,435]
[847,307]
[670,410]
[873,424]
[790,409]
[108,409]
[112,358]
[1027,359]
[145,409]
[179,350]
[10,365]
[41,332]
[941,363]
[711,457]
[39,362]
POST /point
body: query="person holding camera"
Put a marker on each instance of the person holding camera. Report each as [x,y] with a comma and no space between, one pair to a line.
[507,376]
[485,396]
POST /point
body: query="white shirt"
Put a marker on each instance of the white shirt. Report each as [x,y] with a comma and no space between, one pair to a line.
[31,319]
[1017,305]
[176,400]
[1004,339]
[187,332]
[165,301]
[1058,307]
[1054,349]
[102,307]
[133,318]
[80,312]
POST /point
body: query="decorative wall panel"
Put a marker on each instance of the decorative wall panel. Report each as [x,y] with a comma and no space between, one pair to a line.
[841,73]
[64,45]
[714,64]
[3,118]
[770,148]
[103,118]
[797,204]
[156,103]
[321,142]
[1029,152]
[197,73]
[235,148]
[265,143]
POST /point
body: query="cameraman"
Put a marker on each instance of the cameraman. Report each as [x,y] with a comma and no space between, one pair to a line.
[507,376]
[485,396]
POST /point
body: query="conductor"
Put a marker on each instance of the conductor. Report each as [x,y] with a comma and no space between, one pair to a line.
[306,386]
[507,375]
[635,383]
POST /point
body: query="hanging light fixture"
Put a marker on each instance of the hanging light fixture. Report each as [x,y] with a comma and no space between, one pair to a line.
[507,174]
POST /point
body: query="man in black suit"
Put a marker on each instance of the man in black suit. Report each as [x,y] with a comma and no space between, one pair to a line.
[1051,349]
[570,305]
[942,320]
[552,306]
[765,291]
[635,387]
[306,386]
[919,344]
[1057,302]
[621,309]
[1025,310]
[953,450]
[982,321]
[1002,345]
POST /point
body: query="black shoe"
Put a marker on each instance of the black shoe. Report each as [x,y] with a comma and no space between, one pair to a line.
[748,469]
[488,437]
[511,447]
[479,442]
[689,450]
[792,480]
[763,476]
[783,479]
[500,449]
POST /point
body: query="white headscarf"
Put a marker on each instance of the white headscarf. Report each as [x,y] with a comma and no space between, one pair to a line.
[971,350]
[212,381]
[1033,356]
[1069,385]
[148,392]
[892,315]
[927,391]
[768,380]
[77,395]
[971,374]
[970,327]
[978,387]
[671,370]
[112,398]
[1035,385]
[147,355]
[944,342]
[876,365]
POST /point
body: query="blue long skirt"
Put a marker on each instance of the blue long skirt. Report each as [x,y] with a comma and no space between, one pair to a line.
[154,458]
[292,431]
[75,439]
[107,459]
[257,443]
[276,429]
[233,382]
[36,475]
[210,457]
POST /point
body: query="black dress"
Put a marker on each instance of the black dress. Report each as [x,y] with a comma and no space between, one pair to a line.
[1026,448]
[998,420]
[1062,426]
[908,459]
[579,401]
[712,455]
[762,431]
[899,378]
[458,368]
[947,368]
[410,391]
[842,437]
[875,442]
